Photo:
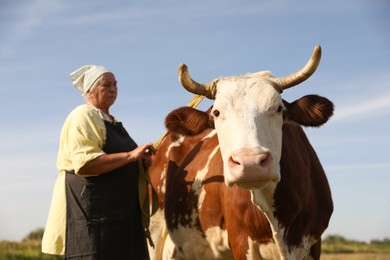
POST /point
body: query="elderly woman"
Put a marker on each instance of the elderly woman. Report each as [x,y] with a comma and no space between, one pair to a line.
[96,193]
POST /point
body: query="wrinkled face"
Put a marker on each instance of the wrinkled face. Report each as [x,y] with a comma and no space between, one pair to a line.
[104,92]
[248,118]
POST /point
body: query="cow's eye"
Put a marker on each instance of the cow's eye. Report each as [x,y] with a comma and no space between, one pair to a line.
[216,113]
[280,109]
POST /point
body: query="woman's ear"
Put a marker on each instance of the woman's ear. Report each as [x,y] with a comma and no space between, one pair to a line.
[310,110]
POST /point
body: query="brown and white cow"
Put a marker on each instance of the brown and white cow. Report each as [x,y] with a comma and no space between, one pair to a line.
[241,180]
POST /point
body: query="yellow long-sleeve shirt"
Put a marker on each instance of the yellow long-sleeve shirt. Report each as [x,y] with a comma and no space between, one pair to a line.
[82,138]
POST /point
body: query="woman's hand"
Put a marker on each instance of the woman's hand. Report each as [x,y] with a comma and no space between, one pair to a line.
[143,152]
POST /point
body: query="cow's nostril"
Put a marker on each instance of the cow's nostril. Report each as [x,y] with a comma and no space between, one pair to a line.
[234,162]
[265,160]
[244,162]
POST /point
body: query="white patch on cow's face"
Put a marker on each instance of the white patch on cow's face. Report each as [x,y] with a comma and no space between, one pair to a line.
[248,120]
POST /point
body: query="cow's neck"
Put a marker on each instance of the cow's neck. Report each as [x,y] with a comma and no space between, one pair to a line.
[264,199]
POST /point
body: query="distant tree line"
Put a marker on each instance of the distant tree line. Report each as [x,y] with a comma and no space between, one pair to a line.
[339,244]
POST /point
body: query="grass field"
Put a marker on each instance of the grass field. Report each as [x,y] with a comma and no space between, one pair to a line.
[334,247]
[356,256]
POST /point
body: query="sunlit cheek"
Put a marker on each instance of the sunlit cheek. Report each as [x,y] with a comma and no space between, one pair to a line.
[277,146]
[269,134]
[225,143]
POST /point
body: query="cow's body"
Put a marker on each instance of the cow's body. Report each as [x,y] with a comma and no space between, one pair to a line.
[281,204]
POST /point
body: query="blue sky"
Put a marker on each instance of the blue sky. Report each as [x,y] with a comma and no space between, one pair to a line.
[143,42]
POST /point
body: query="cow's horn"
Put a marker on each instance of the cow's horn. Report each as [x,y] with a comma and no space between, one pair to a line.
[303,74]
[207,90]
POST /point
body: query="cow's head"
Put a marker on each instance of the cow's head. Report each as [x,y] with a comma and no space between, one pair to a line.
[248,115]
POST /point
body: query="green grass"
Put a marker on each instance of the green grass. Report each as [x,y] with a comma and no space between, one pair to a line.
[334,247]
[24,250]
[27,249]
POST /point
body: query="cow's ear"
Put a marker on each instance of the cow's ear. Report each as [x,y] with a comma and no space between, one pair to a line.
[310,110]
[187,121]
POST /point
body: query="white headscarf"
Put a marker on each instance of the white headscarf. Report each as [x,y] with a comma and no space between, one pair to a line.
[83,78]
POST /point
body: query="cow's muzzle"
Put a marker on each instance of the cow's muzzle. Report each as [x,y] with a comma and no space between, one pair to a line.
[251,169]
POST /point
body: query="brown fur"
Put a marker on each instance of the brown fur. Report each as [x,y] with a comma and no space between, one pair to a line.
[187,121]
[310,110]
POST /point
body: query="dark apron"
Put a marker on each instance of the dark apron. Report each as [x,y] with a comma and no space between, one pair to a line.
[103,217]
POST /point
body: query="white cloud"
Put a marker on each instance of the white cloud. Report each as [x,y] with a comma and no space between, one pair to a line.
[359,110]
[361,96]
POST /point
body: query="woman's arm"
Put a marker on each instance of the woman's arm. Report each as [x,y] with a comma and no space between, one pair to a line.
[109,162]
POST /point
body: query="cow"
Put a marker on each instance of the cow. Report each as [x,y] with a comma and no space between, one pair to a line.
[241,180]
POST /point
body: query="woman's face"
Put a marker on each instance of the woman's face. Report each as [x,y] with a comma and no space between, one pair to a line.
[103,94]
